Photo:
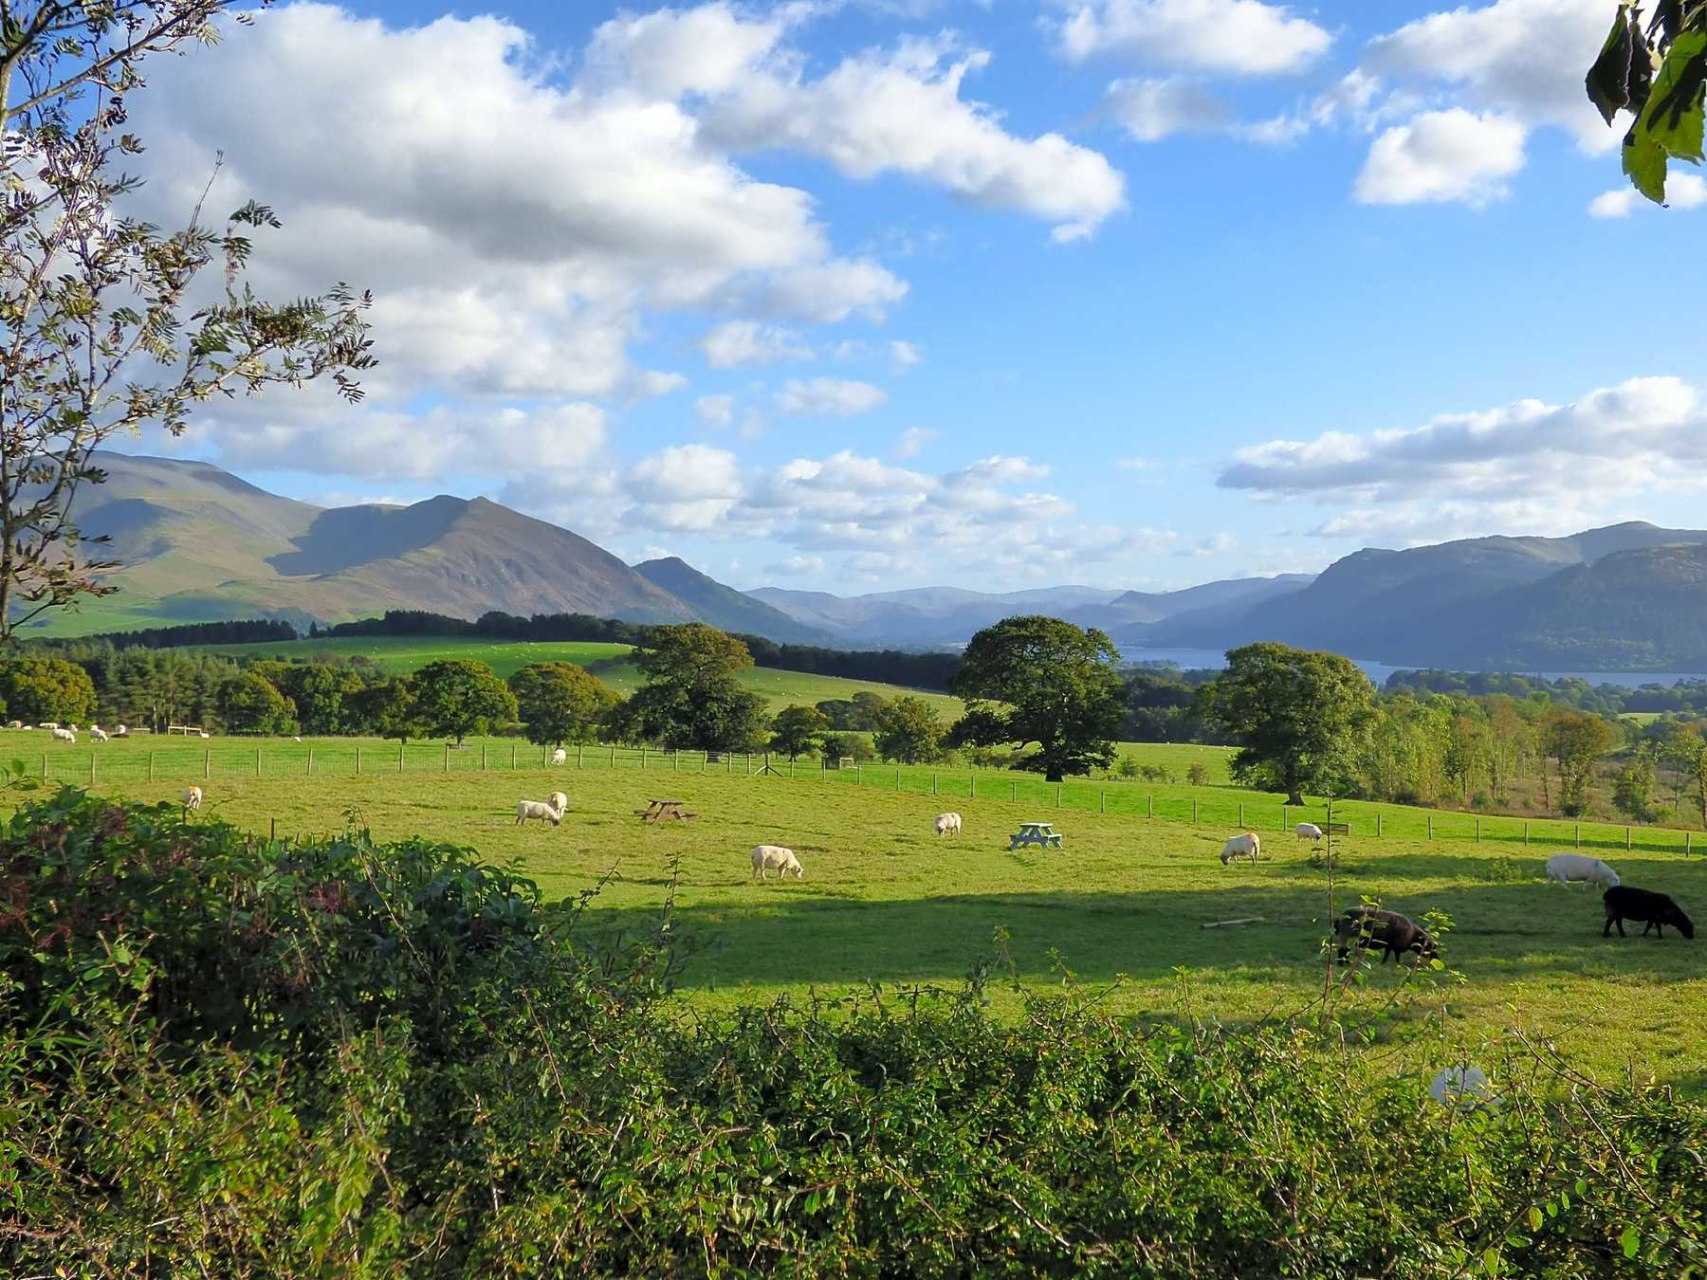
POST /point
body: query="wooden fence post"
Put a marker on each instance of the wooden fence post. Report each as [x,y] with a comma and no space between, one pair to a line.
[933,784]
[1431,826]
[1688,843]
[1102,802]
[447,757]
[1057,795]
[1194,811]
[1526,833]
[482,757]
[579,748]
[1478,828]
[1579,835]
[1150,805]
[311,760]
[1626,838]
[257,762]
[44,766]
[151,766]
[207,763]
[1241,815]
[1378,823]
[91,768]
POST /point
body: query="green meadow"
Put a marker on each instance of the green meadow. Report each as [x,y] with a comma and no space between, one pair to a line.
[1120,907]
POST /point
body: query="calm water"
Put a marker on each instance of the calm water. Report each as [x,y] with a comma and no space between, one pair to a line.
[1379,671]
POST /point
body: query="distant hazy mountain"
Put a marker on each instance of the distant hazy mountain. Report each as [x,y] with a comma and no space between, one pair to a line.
[1476,602]
[726,607]
[1136,608]
[922,617]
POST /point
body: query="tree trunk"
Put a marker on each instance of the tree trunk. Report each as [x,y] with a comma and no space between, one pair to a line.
[1053,775]
[1294,797]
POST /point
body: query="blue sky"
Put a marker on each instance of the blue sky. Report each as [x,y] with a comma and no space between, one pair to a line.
[855,296]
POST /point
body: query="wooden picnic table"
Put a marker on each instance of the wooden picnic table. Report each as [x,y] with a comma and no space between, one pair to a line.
[665,811]
[1041,834]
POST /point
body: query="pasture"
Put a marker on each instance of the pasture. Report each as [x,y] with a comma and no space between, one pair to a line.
[1119,907]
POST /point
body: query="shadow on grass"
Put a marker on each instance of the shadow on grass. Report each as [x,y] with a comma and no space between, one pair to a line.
[797,934]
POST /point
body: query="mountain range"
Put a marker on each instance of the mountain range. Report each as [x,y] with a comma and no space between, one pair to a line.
[198,543]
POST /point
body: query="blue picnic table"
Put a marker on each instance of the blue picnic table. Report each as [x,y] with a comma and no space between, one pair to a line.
[1041,834]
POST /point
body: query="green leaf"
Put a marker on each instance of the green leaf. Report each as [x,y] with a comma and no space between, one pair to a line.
[1630,1241]
[1535,1218]
[1621,76]
[1671,124]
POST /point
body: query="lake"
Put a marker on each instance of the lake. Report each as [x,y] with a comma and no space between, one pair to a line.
[1189,659]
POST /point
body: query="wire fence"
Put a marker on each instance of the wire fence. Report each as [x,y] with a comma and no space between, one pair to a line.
[132,762]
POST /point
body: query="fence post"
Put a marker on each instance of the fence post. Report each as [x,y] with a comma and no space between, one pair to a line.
[1283,816]
[91,768]
[1150,805]
[933,784]
[1431,826]
[1526,833]
[1478,828]
[1626,838]
[1057,795]
[613,756]
[447,757]
[1102,802]
[897,777]
[482,757]
[1378,824]
[1241,815]
[579,748]
[257,762]
[151,766]
[513,755]
[311,759]
[972,793]
[1579,835]
[1688,843]
[1194,811]
[44,766]
[207,763]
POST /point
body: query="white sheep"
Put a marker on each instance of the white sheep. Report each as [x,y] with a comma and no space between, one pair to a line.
[1460,1087]
[16,724]
[545,811]
[97,733]
[558,801]
[72,727]
[948,824]
[1308,831]
[206,734]
[119,731]
[559,756]
[193,799]
[767,857]
[65,735]
[1562,868]
[48,724]
[1245,846]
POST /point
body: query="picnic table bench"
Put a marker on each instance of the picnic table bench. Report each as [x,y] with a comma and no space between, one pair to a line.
[1041,834]
[664,811]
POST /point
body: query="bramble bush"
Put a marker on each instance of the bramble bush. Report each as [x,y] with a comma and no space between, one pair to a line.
[221,1055]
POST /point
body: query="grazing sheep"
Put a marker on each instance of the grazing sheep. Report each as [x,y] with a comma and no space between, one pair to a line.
[193,799]
[559,756]
[120,731]
[1245,846]
[206,734]
[1370,927]
[1462,1087]
[72,727]
[1307,831]
[1625,903]
[544,811]
[97,733]
[65,735]
[48,724]
[558,801]
[948,824]
[769,856]
[16,724]
[1562,868]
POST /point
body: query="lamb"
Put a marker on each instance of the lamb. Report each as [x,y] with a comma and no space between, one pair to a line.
[544,811]
[1308,831]
[65,735]
[1626,903]
[1245,846]
[206,734]
[193,799]
[558,801]
[1562,868]
[559,756]
[948,824]
[1371,927]
[1461,1087]
[97,733]
[768,856]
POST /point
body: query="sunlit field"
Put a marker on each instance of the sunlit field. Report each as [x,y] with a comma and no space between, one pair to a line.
[1122,904]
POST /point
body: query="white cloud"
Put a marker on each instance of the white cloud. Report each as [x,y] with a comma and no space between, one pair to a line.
[675,52]
[1527,466]
[827,397]
[830,292]
[684,487]
[715,411]
[1683,191]
[797,567]
[1153,109]
[743,342]
[901,111]
[1520,58]
[905,355]
[1135,464]
[1439,156]
[912,442]
[1241,37]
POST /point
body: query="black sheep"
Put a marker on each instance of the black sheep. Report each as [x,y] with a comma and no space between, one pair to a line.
[1371,927]
[1626,903]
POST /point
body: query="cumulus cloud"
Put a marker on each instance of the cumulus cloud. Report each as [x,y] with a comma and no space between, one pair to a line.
[743,342]
[1523,59]
[905,355]
[827,397]
[1527,465]
[1241,37]
[1683,191]
[901,111]
[1152,109]
[913,441]
[1440,156]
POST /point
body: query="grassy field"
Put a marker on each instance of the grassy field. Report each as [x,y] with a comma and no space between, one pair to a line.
[884,900]
[398,655]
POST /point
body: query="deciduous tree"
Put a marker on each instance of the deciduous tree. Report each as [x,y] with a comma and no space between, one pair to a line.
[799,731]
[1045,681]
[909,730]
[560,702]
[459,696]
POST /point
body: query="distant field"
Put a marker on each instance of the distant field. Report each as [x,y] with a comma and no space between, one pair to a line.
[400,654]
[884,900]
